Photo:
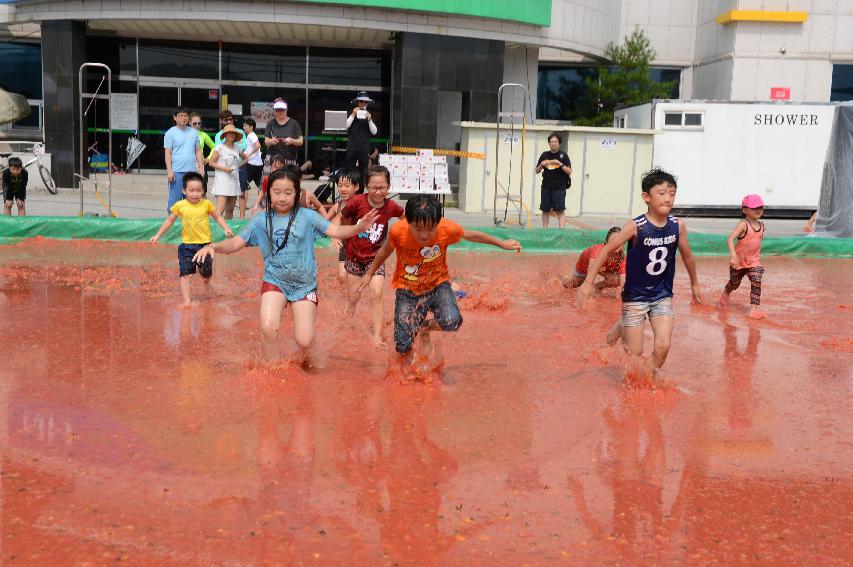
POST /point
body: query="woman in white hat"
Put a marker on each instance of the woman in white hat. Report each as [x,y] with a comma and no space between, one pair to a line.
[360,127]
[226,160]
[283,137]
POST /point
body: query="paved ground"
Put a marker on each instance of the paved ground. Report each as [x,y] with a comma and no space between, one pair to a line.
[143,196]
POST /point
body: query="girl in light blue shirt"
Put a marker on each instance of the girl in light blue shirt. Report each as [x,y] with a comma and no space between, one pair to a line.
[285,233]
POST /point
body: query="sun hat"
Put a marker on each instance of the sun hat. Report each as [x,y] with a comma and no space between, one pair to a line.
[362,95]
[752,201]
[231,128]
[279,104]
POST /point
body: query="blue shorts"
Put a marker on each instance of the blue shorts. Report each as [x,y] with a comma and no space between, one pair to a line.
[411,310]
[244,179]
[635,313]
[186,264]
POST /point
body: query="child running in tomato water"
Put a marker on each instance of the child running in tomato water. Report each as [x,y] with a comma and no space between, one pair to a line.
[421,276]
[195,212]
[653,239]
[362,248]
[285,234]
[746,254]
[348,183]
[612,273]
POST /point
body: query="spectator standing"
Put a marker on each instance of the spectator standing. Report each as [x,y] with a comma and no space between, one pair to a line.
[360,127]
[183,154]
[556,169]
[283,137]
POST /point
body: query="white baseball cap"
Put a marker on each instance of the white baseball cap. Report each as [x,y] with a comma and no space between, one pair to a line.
[279,104]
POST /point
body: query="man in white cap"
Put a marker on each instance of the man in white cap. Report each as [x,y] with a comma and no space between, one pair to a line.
[360,127]
[283,136]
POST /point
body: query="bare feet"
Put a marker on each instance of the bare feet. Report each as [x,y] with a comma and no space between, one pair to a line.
[377,341]
[614,333]
[757,314]
[724,299]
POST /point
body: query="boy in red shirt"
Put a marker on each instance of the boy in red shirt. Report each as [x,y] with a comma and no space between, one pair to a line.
[421,277]
[362,248]
[612,272]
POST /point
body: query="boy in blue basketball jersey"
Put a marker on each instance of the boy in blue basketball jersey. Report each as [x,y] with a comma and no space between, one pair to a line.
[653,239]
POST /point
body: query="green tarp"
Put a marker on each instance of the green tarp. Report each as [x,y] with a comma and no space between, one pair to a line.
[13,229]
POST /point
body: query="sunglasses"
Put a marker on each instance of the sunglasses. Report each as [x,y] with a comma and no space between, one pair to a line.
[196,123]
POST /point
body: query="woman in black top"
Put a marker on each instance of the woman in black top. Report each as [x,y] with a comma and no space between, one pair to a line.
[360,127]
[556,169]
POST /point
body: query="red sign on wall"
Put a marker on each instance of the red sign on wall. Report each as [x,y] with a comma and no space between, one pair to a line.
[213,94]
[780,93]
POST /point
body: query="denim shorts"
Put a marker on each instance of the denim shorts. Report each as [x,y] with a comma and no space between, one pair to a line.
[186,264]
[635,313]
[410,312]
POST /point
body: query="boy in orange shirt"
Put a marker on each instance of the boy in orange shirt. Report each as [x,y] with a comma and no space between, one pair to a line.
[421,277]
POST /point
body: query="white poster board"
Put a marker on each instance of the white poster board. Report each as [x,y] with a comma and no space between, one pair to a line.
[124,111]
[261,112]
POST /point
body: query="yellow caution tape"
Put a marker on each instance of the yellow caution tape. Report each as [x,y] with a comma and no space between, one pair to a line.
[452,153]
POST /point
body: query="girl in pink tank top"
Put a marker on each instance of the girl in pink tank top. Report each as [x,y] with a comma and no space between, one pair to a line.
[746,254]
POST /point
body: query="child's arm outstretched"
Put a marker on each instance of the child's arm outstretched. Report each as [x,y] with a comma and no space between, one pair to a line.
[483,238]
[342,232]
[167,224]
[221,222]
[738,232]
[616,242]
[223,246]
[689,261]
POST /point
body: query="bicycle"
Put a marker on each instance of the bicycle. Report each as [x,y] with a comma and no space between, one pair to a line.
[37,151]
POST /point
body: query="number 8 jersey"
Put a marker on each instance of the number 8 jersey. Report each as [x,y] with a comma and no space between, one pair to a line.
[651,261]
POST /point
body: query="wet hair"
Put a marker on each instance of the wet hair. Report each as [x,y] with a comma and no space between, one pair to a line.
[250,121]
[226,114]
[15,162]
[613,230]
[655,177]
[277,159]
[423,209]
[193,176]
[352,174]
[378,170]
[294,176]
[180,109]
[555,135]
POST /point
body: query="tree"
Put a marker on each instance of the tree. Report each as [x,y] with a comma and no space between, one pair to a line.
[626,81]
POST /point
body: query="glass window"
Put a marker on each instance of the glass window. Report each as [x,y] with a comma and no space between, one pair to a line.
[184,60]
[20,71]
[842,83]
[31,122]
[286,65]
[672,118]
[662,75]
[562,93]
[354,67]
[692,118]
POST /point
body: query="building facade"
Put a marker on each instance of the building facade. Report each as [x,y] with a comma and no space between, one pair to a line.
[428,64]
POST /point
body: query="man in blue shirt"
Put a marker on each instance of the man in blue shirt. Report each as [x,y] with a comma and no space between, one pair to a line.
[183,154]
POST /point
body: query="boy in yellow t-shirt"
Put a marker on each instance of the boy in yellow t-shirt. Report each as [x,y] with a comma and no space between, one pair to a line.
[195,212]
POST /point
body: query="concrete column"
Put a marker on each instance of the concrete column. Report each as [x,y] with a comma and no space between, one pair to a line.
[63,51]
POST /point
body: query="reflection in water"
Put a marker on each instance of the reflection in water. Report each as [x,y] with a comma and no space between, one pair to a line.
[133,431]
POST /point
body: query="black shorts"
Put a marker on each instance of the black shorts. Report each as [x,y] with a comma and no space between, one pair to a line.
[256,174]
[553,200]
[342,253]
[19,195]
[186,264]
